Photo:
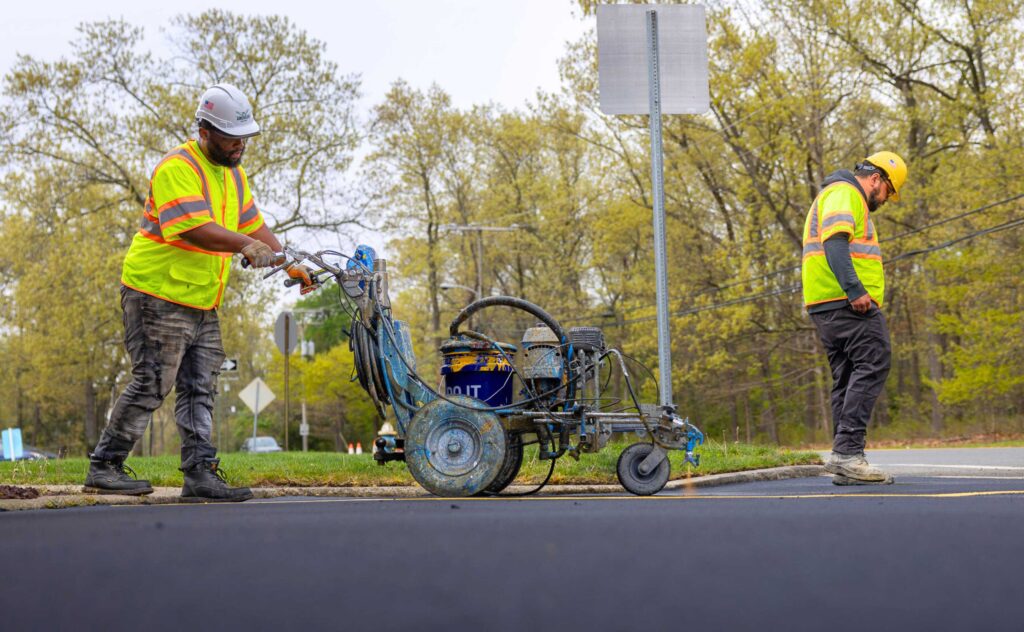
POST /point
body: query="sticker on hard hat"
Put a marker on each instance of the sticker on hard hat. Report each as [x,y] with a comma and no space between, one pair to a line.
[892,162]
[208,104]
[243,116]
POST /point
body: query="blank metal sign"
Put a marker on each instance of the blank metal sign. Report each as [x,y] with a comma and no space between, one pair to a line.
[682,58]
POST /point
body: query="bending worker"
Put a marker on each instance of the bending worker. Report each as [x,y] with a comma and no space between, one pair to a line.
[844,286]
[200,211]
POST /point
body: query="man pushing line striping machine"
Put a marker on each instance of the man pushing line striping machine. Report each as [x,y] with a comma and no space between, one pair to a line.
[469,440]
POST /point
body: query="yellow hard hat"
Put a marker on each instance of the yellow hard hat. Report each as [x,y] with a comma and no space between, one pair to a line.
[893,166]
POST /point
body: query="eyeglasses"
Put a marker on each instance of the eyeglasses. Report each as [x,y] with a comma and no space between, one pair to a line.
[890,190]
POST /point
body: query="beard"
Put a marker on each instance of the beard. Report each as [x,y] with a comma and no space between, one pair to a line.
[874,202]
[224,158]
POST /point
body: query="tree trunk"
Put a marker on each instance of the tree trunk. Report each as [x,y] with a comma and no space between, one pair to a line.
[91,425]
[934,366]
[769,422]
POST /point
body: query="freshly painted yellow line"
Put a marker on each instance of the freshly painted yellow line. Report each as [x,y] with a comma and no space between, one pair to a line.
[945,495]
[680,497]
[1015,492]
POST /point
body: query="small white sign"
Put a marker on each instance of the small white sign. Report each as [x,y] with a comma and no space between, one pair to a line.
[622,47]
[303,430]
[257,395]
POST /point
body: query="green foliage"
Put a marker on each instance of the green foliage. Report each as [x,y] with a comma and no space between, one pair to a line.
[326,321]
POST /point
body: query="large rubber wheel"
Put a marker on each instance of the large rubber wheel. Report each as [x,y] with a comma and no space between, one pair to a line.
[628,470]
[452,450]
[510,467]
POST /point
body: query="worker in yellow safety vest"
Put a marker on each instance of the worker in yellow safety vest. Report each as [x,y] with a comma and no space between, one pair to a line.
[844,289]
[199,212]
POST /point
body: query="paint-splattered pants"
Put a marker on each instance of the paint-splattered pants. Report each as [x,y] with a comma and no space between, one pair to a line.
[859,353]
[169,345]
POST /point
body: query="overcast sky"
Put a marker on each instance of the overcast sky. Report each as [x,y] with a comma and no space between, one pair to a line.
[477,50]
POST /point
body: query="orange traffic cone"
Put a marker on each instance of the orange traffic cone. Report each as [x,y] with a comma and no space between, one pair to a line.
[351,450]
[359,448]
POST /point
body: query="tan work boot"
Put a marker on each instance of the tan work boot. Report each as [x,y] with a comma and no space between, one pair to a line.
[839,479]
[854,466]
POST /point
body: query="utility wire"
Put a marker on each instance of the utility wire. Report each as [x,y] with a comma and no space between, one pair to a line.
[781,271]
[796,288]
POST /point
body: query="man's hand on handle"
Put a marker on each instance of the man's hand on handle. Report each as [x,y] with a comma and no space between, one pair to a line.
[260,255]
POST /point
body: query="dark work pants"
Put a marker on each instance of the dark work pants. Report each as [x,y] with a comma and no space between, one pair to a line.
[169,345]
[859,353]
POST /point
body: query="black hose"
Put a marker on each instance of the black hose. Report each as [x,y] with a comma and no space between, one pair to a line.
[530,308]
[506,301]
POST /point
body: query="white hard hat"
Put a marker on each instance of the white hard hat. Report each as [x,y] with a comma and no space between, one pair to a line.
[227,109]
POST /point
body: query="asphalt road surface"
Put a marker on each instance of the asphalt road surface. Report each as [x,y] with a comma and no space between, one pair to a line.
[923,554]
[985,462]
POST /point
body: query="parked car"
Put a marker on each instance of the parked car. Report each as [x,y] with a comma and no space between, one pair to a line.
[28,453]
[263,445]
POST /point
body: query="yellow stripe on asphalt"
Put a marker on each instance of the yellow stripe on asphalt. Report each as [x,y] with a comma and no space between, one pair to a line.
[851,495]
[664,498]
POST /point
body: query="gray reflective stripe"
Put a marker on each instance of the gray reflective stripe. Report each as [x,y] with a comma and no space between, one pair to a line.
[237,175]
[813,249]
[181,209]
[836,219]
[871,229]
[202,176]
[248,216]
[865,249]
[812,217]
[148,226]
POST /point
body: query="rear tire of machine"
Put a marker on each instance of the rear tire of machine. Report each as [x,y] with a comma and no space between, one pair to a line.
[509,467]
[455,450]
[628,470]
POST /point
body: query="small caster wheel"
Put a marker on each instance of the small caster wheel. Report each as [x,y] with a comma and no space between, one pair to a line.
[630,475]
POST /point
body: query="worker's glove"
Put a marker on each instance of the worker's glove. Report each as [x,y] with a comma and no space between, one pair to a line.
[260,255]
[301,273]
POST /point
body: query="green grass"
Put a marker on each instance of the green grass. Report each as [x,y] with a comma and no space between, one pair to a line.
[329,469]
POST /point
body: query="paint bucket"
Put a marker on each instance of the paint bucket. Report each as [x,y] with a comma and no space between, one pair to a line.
[476,369]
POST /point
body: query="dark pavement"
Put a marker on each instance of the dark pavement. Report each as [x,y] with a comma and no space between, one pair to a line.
[924,554]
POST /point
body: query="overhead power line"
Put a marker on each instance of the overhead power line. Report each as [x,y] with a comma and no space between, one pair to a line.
[795,268]
[796,288]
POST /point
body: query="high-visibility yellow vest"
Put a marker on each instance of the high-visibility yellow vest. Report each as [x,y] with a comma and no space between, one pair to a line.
[840,208]
[187,191]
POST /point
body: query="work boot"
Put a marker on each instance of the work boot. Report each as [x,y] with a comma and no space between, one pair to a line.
[839,479]
[205,482]
[854,466]
[111,477]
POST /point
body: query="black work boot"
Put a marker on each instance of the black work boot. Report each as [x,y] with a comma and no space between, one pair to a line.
[111,477]
[205,482]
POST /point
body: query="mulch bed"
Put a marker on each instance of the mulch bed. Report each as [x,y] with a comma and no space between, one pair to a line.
[10,492]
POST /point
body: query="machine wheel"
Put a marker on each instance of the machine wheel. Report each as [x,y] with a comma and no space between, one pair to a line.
[628,470]
[510,466]
[453,450]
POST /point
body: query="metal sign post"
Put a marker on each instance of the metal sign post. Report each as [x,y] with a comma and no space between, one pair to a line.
[658,186]
[286,335]
[684,71]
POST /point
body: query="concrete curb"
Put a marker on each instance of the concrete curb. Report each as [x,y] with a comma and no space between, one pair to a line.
[64,496]
[749,476]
